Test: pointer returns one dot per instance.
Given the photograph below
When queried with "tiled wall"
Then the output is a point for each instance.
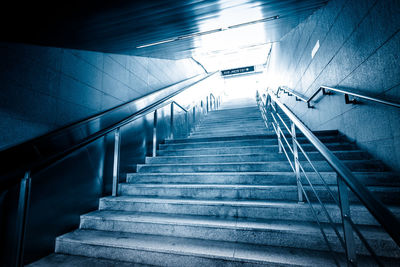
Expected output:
(44, 88)
(359, 50)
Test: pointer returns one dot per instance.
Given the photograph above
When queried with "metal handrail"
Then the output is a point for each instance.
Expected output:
(215, 104)
(383, 215)
(184, 109)
(326, 90)
(290, 92)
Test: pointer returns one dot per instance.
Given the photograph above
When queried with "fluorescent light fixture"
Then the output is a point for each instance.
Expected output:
(157, 43)
(210, 31)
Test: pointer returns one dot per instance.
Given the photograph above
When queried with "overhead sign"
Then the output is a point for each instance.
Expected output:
(237, 71)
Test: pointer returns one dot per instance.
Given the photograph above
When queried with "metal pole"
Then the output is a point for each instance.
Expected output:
(347, 229)
(194, 115)
(296, 164)
(279, 137)
(117, 145)
(172, 121)
(154, 133)
(187, 123)
(207, 104)
(23, 206)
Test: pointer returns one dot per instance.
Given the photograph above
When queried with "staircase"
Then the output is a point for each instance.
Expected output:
(225, 196)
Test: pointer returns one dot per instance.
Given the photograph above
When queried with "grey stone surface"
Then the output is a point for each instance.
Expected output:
(259, 178)
(44, 88)
(359, 44)
(182, 252)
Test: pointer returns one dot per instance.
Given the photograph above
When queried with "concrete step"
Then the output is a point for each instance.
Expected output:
(258, 178)
(233, 114)
(247, 150)
(175, 251)
(225, 119)
(229, 133)
(233, 133)
(211, 191)
(244, 142)
(259, 232)
(272, 156)
(250, 209)
(238, 109)
(283, 165)
(242, 126)
(389, 195)
(229, 128)
(239, 137)
(208, 124)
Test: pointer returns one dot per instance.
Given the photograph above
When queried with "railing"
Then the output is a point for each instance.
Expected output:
(160, 100)
(154, 145)
(270, 106)
(328, 91)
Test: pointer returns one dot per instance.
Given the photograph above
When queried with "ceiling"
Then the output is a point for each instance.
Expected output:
(185, 28)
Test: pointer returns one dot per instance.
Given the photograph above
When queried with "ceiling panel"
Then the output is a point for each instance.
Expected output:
(123, 26)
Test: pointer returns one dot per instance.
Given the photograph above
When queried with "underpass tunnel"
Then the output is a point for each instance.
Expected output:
(66, 62)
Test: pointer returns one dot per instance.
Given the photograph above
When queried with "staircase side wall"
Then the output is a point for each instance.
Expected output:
(44, 88)
(359, 44)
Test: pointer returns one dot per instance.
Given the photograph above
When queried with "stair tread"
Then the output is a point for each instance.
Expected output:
(198, 247)
(231, 202)
(244, 186)
(230, 141)
(275, 145)
(300, 227)
(248, 154)
(261, 173)
(251, 162)
(264, 135)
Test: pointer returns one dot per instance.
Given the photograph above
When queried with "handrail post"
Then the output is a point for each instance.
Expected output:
(22, 212)
(187, 123)
(172, 121)
(296, 164)
(278, 128)
(207, 104)
(117, 146)
(347, 228)
(213, 105)
(154, 133)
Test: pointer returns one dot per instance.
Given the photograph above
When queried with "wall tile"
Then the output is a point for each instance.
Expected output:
(43, 88)
(80, 70)
(360, 52)
(77, 92)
